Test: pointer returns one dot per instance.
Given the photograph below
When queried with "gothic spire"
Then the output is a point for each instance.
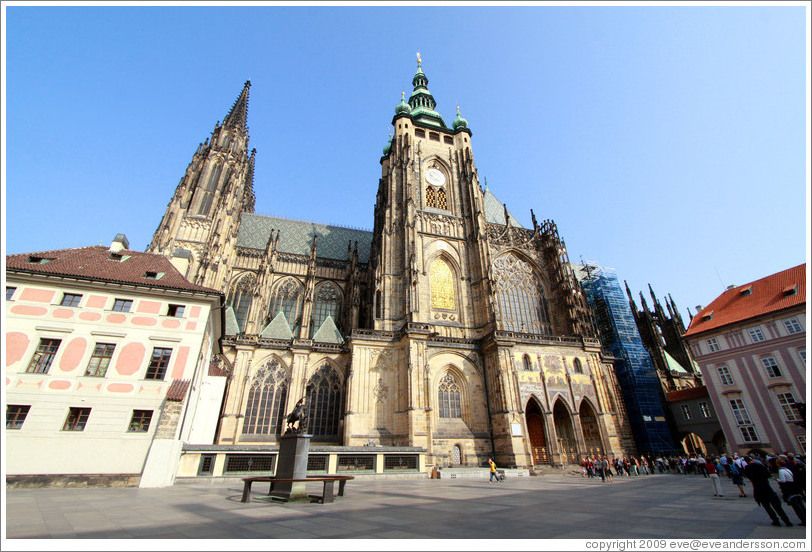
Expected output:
(421, 101)
(237, 118)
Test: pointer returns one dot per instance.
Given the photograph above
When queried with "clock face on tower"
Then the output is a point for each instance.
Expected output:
(435, 177)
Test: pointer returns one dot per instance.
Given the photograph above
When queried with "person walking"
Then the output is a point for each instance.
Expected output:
(494, 475)
(790, 490)
(725, 462)
(607, 470)
(759, 476)
(702, 465)
(736, 475)
(713, 473)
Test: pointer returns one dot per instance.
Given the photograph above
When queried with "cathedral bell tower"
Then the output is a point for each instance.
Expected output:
(199, 229)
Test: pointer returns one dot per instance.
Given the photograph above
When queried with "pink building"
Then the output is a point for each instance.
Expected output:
(107, 352)
(750, 344)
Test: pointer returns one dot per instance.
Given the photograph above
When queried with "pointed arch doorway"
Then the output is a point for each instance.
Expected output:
(563, 430)
(535, 432)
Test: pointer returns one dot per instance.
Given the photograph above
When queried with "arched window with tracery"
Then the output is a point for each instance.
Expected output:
(207, 193)
(328, 303)
(265, 409)
(448, 397)
(441, 279)
(431, 197)
(241, 297)
(436, 198)
(288, 299)
(576, 364)
(324, 399)
(522, 305)
(527, 364)
(442, 199)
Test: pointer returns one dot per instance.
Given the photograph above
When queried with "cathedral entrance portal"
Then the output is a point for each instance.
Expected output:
(535, 431)
(592, 432)
(565, 434)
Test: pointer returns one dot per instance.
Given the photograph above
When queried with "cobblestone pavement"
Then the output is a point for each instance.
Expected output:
(545, 507)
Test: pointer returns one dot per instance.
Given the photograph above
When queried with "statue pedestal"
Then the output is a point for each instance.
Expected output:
(291, 463)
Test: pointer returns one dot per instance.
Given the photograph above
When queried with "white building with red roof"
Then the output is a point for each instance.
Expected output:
(750, 344)
(107, 353)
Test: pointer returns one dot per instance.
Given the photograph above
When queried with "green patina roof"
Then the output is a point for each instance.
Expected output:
(673, 364)
(297, 237)
(232, 328)
(328, 333)
(278, 328)
(495, 211)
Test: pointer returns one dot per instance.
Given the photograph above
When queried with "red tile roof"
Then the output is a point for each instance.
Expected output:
(688, 393)
(177, 391)
(766, 295)
(95, 263)
(216, 370)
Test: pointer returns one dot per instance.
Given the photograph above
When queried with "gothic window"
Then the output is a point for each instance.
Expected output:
(264, 411)
(526, 362)
(241, 298)
(522, 304)
(448, 397)
(324, 399)
(442, 285)
(288, 299)
(576, 365)
(207, 193)
(328, 303)
(431, 197)
(442, 201)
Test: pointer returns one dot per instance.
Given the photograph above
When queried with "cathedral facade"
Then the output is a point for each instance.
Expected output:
(449, 327)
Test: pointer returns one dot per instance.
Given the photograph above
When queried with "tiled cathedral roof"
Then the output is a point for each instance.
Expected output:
(495, 211)
(297, 237)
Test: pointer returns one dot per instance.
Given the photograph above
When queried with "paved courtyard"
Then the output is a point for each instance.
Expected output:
(545, 507)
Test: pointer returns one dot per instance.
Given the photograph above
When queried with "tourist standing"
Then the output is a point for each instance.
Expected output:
(759, 476)
(713, 473)
(737, 476)
(702, 465)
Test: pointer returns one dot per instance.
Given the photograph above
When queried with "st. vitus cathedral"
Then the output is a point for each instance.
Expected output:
(449, 327)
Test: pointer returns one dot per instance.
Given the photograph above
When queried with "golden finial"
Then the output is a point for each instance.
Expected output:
(419, 61)
(402, 96)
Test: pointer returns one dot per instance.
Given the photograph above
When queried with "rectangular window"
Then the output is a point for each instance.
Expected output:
(158, 363)
(792, 326)
(77, 419)
(749, 434)
(788, 405)
(175, 310)
(15, 415)
(42, 359)
(102, 354)
(713, 345)
(704, 409)
(122, 305)
(740, 412)
(70, 300)
(419, 133)
(771, 366)
(10, 292)
(756, 335)
(140, 421)
(686, 412)
(802, 354)
(724, 375)
(802, 442)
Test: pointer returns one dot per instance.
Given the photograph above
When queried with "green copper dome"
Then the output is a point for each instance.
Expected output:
(459, 122)
(402, 107)
(387, 148)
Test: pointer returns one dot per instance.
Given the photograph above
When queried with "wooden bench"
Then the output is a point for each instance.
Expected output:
(327, 495)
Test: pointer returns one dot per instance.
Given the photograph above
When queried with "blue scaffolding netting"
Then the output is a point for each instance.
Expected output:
(634, 369)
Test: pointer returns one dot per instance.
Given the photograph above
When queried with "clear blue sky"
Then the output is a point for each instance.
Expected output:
(666, 142)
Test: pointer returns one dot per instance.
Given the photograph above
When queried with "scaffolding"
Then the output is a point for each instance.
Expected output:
(634, 369)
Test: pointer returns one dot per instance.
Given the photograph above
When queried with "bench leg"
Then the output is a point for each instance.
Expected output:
(246, 492)
(341, 487)
(327, 494)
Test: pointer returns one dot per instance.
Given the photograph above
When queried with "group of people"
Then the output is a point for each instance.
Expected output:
(788, 471)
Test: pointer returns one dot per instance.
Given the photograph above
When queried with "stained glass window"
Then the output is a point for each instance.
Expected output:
(324, 399)
(442, 285)
(288, 299)
(241, 298)
(328, 303)
(264, 411)
(448, 398)
(207, 193)
(522, 304)
(436, 198)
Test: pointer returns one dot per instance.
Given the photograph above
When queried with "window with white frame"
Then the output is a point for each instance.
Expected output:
(713, 345)
(756, 334)
(748, 434)
(724, 375)
(792, 326)
(686, 412)
(771, 367)
(704, 409)
(740, 412)
(802, 354)
(802, 442)
(788, 406)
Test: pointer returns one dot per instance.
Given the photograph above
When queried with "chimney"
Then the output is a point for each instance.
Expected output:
(698, 308)
(731, 286)
(119, 242)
